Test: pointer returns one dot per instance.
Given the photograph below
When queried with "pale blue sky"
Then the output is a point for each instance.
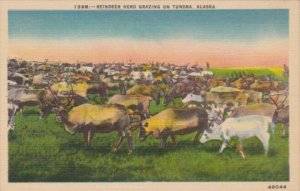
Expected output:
(204, 25)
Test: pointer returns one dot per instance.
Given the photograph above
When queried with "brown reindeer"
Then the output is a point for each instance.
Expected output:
(281, 115)
(90, 119)
(264, 86)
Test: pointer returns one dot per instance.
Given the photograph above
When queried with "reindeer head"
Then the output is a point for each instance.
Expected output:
(62, 107)
(212, 133)
(143, 134)
(274, 100)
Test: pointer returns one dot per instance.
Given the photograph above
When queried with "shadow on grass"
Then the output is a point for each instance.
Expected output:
(258, 150)
(149, 148)
(146, 149)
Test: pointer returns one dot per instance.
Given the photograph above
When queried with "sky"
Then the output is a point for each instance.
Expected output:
(220, 37)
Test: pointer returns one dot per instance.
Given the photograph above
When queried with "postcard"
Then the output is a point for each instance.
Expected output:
(147, 95)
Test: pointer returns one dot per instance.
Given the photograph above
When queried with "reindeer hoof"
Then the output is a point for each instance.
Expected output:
(115, 150)
(130, 152)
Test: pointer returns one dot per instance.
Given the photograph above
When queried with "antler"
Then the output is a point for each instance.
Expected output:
(57, 102)
(71, 95)
(282, 103)
(274, 102)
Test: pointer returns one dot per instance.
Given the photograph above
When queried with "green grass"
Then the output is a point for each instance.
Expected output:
(276, 72)
(42, 151)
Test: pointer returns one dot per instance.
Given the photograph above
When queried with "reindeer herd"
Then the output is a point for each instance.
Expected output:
(240, 104)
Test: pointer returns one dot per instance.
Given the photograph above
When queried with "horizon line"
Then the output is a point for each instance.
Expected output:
(141, 63)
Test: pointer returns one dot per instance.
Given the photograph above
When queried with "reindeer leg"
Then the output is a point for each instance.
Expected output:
(196, 139)
(173, 137)
(118, 142)
(285, 127)
(41, 114)
(239, 148)
(224, 145)
(105, 96)
(21, 110)
(85, 136)
(92, 135)
(163, 141)
(173, 102)
(283, 130)
(89, 137)
(11, 123)
(129, 142)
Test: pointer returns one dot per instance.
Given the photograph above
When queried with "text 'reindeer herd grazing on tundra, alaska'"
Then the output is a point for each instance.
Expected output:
(195, 100)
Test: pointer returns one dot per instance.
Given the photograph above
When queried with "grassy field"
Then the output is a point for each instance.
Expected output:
(276, 72)
(42, 151)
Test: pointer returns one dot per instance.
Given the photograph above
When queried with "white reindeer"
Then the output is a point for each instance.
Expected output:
(242, 127)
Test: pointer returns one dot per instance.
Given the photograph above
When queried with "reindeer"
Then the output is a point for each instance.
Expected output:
(89, 119)
(12, 109)
(264, 86)
(22, 97)
(281, 115)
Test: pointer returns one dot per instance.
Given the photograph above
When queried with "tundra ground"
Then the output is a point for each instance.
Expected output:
(42, 151)
(275, 72)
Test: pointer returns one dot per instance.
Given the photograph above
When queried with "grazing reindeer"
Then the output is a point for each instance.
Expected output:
(172, 122)
(32, 97)
(89, 119)
(281, 114)
(243, 127)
